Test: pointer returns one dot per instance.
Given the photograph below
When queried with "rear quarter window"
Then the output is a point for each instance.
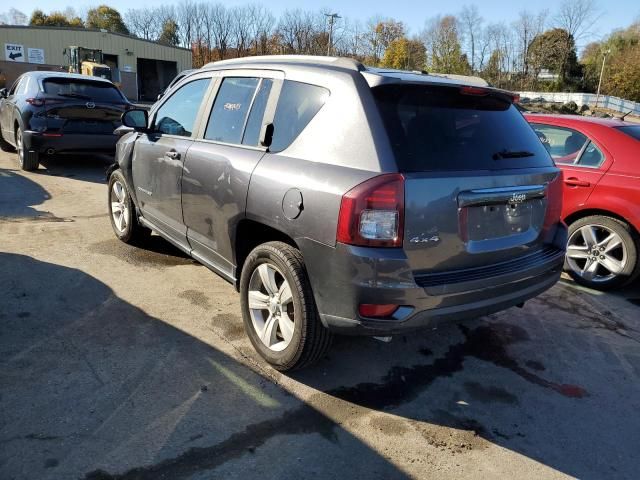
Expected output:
(439, 128)
(297, 105)
(82, 89)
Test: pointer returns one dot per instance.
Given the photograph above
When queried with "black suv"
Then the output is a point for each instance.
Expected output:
(50, 112)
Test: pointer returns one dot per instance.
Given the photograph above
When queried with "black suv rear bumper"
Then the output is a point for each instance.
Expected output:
(70, 143)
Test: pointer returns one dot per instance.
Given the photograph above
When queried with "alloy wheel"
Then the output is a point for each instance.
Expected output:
(271, 307)
(119, 209)
(596, 253)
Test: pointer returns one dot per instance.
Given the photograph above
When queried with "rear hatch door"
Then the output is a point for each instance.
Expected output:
(78, 106)
(480, 188)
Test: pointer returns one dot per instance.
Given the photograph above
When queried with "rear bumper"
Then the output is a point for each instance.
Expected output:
(70, 143)
(345, 277)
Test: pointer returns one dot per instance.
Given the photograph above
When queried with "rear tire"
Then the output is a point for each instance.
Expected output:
(29, 161)
(602, 252)
(122, 212)
(299, 339)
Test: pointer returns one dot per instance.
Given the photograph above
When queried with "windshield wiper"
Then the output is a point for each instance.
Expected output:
(512, 154)
(74, 95)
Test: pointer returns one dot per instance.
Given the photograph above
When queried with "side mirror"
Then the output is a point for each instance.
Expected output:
(266, 135)
(4, 93)
(136, 118)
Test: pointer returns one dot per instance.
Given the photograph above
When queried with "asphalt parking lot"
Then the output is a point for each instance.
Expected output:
(125, 363)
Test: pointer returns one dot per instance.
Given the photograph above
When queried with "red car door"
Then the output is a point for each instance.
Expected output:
(582, 160)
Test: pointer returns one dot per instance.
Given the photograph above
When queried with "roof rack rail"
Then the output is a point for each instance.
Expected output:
(343, 62)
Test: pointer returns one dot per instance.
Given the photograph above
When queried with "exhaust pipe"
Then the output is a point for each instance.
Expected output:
(50, 151)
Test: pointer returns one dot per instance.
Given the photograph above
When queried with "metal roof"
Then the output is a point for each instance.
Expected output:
(373, 75)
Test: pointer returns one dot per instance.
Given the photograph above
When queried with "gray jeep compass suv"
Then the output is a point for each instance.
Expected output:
(340, 198)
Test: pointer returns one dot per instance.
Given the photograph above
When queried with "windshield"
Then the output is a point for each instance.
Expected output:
(631, 130)
(83, 89)
(439, 128)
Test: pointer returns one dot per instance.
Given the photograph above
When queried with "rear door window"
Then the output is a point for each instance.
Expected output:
(564, 144)
(297, 105)
(230, 109)
(177, 115)
(440, 128)
(256, 117)
(82, 90)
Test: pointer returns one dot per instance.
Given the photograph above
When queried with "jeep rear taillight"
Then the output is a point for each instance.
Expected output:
(372, 213)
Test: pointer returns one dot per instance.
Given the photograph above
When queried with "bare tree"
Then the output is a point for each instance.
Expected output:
(471, 24)
(527, 27)
(577, 17)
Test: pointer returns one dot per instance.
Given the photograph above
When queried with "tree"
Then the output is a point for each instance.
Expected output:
(405, 54)
(555, 50)
(443, 45)
(621, 76)
(379, 35)
(471, 22)
(13, 17)
(169, 34)
(54, 19)
(527, 27)
(106, 18)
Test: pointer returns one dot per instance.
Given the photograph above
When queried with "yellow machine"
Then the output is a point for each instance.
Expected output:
(87, 61)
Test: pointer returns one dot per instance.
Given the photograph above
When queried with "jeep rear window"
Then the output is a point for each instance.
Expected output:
(631, 130)
(82, 90)
(440, 128)
(297, 105)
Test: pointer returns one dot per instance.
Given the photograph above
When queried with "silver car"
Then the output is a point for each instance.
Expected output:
(343, 199)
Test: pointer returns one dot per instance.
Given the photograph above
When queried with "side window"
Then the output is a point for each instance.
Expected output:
(178, 114)
(297, 105)
(230, 109)
(592, 156)
(256, 116)
(564, 144)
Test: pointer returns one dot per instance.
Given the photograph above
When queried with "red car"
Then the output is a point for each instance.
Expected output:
(600, 160)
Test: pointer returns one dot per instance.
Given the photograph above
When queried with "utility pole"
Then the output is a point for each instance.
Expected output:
(604, 59)
(332, 18)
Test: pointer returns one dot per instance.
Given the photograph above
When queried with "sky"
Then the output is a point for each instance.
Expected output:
(613, 13)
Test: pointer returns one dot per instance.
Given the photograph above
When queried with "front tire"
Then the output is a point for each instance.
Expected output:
(602, 252)
(278, 308)
(29, 161)
(122, 212)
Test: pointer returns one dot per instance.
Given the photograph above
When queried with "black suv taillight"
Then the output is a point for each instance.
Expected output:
(372, 213)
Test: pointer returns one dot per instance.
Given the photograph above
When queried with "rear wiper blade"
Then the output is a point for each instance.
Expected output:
(74, 95)
(512, 154)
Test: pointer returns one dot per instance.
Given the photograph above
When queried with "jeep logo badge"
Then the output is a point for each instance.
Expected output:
(518, 198)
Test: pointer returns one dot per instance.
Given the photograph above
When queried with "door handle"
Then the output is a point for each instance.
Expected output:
(172, 154)
(574, 182)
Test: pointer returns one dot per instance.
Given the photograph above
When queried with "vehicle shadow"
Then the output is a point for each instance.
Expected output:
(88, 168)
(94, 387)
(19, 196)
(556, 381)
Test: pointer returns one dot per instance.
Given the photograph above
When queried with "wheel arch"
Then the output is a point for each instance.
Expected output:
(587, 212)
(248, 235)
